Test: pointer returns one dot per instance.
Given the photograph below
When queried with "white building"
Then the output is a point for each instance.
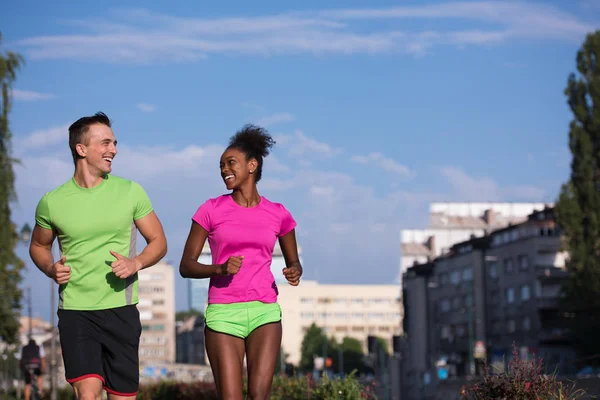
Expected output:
(157, 314)
(452, 223)
(354, 311)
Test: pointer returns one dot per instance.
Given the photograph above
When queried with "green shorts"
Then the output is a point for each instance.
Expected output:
(240, 319)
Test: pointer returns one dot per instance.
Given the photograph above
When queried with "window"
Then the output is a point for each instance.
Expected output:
(444, 305)
(456, 303)
(525, 292)
(526, 323)
(510, 295)
(443, 279)
(306, 300)
(523, 263)
(493, 270)
(469, 300)
(445, 332)
(158, 302)
(455, 278)
(508, 266)
(467, 274)
(510, 325)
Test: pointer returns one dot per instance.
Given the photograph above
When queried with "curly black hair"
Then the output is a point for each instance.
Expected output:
(255, 142)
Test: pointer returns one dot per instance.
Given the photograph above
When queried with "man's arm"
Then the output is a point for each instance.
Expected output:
(40, 250)
(156, 248)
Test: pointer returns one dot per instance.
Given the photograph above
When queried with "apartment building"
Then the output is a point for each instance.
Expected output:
(190, 341)
(355, 311)
(482, 296)
(451, 223)
(156, 289)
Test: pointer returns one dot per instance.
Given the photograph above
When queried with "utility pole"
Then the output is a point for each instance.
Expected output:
(471, 330)
(29, 312)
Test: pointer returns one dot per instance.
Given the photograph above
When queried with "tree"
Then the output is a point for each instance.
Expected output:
(313, 346)
(10, 265)
(353, 356)
(578, 206)
(181, 316)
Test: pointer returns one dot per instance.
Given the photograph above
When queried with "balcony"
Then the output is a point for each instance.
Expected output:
(554, 335)
(548, 303)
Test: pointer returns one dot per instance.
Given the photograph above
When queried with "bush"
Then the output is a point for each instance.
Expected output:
(283, 388)
(524, 380)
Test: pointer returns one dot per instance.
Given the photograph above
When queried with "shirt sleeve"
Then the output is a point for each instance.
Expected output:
(287, 222)
(202, 216)
(142, 203)
(42, 213)
(42, 352)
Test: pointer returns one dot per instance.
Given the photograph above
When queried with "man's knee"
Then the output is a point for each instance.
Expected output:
(88, 395)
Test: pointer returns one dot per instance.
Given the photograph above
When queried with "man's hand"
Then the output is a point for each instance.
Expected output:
(60, 272)
(292, 274)
(232, 266)
(124, 267)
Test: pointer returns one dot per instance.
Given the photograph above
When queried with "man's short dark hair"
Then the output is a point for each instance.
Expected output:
(79, 128)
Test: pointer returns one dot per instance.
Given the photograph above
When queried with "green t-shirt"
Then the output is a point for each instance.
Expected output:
(89, 223)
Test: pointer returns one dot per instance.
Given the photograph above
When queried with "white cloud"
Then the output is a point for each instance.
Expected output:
(28, 95)
(469, 188)
(43, 138)
(300, 145)
(147, 108)
(387, 164)
(141, 36)
(275, 119)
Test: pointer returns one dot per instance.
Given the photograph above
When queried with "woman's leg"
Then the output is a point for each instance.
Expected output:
(262, 348)
(226, 356)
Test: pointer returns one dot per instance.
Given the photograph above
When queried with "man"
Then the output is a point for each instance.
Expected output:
(94, 216)
(32, 363)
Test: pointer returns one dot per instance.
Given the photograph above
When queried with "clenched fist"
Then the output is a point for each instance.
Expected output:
(232, 266)
(60, 272)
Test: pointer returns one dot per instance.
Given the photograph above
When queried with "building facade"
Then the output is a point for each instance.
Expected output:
(354, 311)
(157, 314)
(451, 223)
(190, 341)
(475, 301)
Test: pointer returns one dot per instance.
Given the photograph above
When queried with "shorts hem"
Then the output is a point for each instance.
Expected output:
(120, 393)
(86, 376)
(225, 333)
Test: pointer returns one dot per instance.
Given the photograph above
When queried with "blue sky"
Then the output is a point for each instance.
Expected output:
(378, 109)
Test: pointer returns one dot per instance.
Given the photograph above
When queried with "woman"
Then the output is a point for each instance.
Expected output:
(243, 315)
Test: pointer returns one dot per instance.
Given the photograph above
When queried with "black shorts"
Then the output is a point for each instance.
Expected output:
(27, 375)
(102, 344)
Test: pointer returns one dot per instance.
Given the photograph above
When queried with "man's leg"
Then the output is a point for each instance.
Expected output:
(27, 389)
(226, 356)
(88, 389)
(120, 336)
(82, 353)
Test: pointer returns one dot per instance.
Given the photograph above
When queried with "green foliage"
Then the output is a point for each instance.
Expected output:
(283, 388)
(349, 352)
(524, 380)
(578, 206)
(183, 315)
(10, 265)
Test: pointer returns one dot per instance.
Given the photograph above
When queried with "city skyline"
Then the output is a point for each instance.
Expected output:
(377, 112)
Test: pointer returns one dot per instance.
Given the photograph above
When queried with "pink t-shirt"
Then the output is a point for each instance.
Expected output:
(234, 230)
